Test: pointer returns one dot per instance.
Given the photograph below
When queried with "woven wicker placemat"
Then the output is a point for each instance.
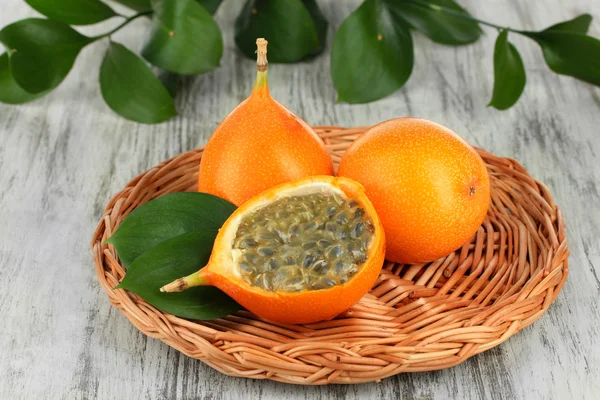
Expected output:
(416, 317)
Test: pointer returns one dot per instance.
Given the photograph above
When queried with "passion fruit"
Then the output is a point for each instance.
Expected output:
(429, 186)
(300, 252)
(260, 144)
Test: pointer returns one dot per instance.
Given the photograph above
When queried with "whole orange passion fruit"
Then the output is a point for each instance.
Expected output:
(300, 252)
(260, 144)
(429, 186)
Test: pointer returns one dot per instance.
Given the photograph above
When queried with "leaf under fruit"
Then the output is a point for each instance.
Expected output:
(170, 260)
(167, 217)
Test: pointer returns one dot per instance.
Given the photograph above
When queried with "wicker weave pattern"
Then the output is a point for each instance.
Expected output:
(416, 317)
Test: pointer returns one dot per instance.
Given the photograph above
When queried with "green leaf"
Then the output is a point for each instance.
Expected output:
(170, 81)
(130, 88)
(372, 54)
(168, 238)
(167, 217)
(184, 38)
(170, 260)
(509, 74)
(287, 25)
(137, 5)
(579, 24)
(10, 91)
(42, 52)
(210, 5)
(320, 23)
(441, 20)
(73, 12)
(570, 53)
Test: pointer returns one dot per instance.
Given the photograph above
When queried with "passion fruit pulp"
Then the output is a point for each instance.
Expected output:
(303, 242)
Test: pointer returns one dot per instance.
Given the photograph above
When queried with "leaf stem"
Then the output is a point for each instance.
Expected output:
(127, 21)
(458, 14)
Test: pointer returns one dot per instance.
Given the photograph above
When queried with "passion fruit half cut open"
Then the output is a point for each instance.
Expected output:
(300, 252)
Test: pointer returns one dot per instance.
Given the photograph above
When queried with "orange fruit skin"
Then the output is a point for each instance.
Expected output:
(306, 306)
(260, 144)
(430, 188)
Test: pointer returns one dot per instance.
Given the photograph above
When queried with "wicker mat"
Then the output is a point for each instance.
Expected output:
(416, 318)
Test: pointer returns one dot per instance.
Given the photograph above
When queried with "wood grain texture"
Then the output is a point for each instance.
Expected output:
(63, 157)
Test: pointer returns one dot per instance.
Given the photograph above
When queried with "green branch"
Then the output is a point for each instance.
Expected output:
(435, 7)
(123, 24)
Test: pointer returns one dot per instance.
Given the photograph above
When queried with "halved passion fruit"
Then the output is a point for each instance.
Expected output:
(300, 252)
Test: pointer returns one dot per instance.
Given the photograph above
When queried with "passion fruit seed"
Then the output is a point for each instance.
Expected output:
(303, 242)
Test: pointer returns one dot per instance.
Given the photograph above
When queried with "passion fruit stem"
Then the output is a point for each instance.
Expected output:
(262, 65)
(181, 284)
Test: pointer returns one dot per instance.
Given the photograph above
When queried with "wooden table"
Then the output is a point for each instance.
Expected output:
(64, 156)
